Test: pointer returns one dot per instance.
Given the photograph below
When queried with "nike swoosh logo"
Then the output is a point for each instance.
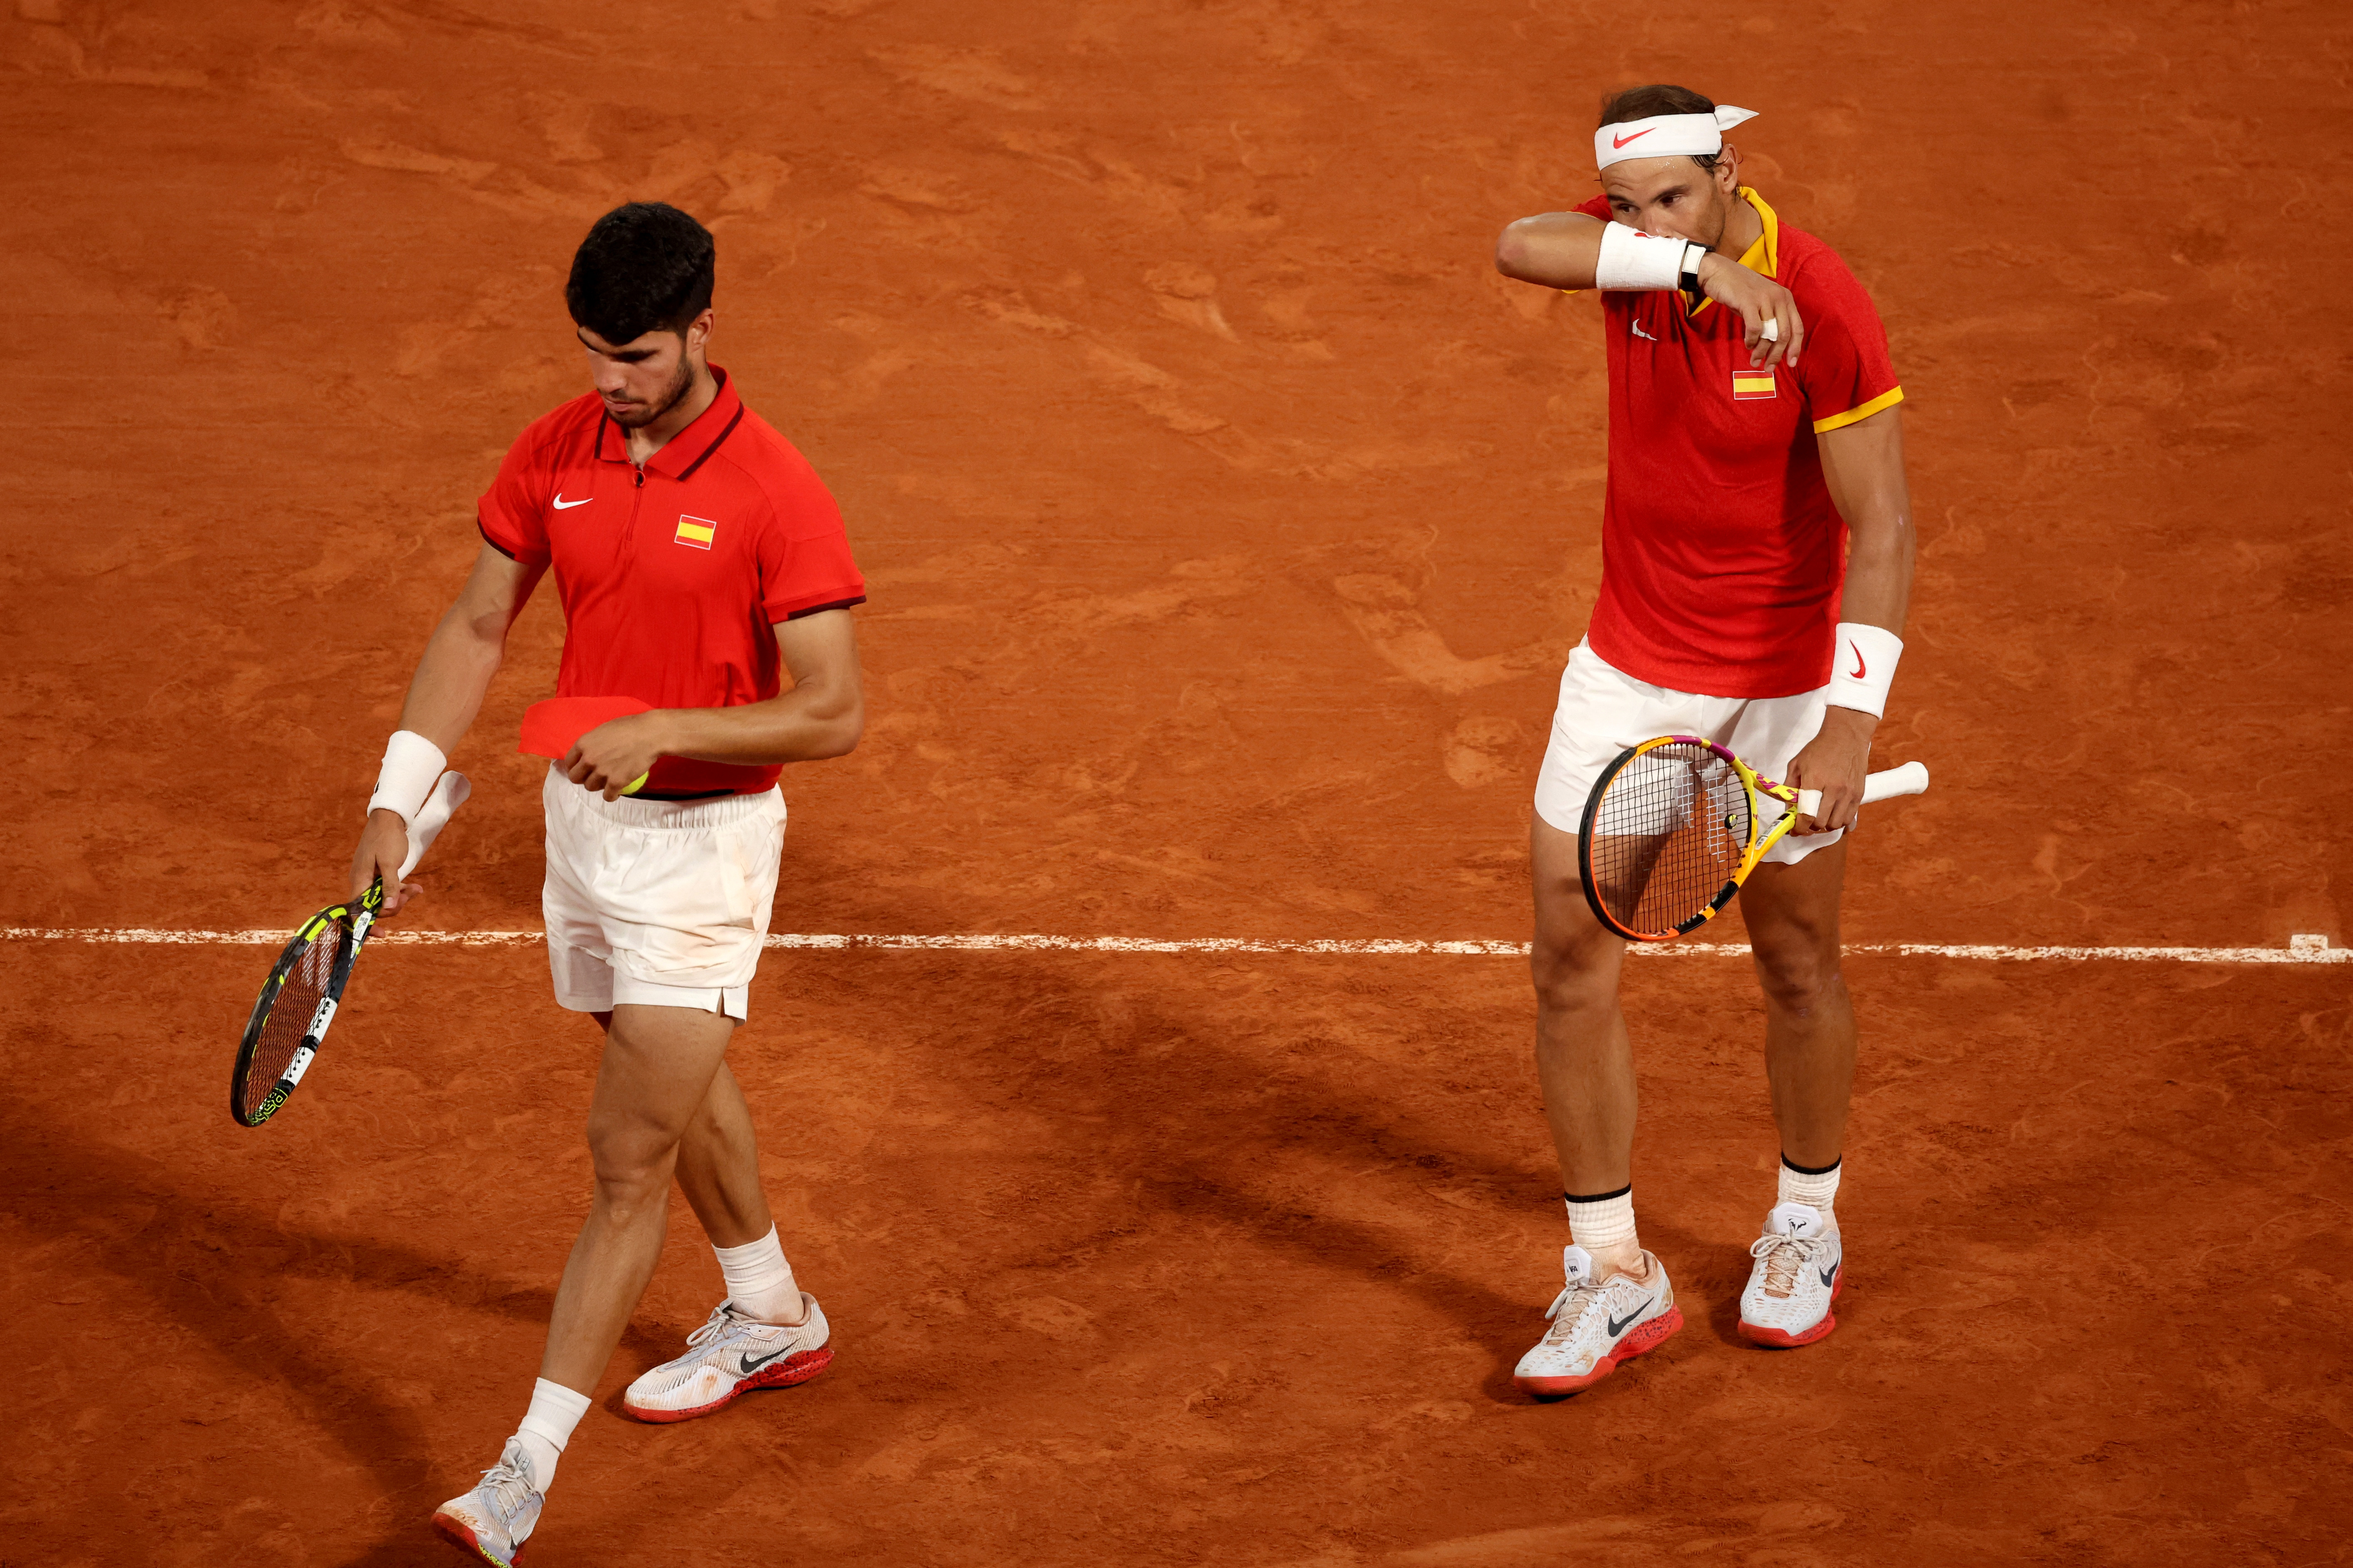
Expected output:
(1618, 141)
(1831, 1273)
(1640, 333)
(1857, 671)
(746, 1367)
(563, 505)
(1620, 1325)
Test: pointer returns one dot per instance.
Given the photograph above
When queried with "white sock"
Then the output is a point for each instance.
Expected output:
(547, 1426)
(1603, 1224)
(760, 1281)
(1816, 1189)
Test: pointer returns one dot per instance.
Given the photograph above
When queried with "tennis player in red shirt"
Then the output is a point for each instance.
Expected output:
(1756, 559)
(699, 558)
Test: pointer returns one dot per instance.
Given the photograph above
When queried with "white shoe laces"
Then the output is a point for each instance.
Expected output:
(721, 1320)
(509, 1487)
(1565, 1324)
(1784, 1256)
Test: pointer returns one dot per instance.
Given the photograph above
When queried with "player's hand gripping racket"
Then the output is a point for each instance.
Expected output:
(1673, 829)
(551, 729)
(306, 985)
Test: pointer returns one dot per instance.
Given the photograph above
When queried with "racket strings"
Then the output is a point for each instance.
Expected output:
(1668, 833)
(290, 1011)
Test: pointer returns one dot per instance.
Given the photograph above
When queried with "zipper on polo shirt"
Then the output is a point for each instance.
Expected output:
(630, 527)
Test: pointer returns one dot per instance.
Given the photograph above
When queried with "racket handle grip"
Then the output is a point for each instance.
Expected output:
(449, 792)
(1912, 778)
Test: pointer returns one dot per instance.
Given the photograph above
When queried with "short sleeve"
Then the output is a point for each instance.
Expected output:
(804, 551)
(1593, 206)
(1844, 372)
(512, 513)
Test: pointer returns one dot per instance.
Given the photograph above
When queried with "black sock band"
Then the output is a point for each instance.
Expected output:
(1597, 1197)
(1813, 1170)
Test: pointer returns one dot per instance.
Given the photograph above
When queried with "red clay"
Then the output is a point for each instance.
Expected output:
(1227, 521)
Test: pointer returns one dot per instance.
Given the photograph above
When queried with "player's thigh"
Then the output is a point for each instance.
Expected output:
(657, 1070)
(1792, 915)
(1574, 959)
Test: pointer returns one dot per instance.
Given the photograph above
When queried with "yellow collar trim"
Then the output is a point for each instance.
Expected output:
(1767, 249)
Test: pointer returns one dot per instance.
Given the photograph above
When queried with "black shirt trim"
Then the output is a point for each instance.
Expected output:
(493, 543)
(820, 609)
(688, 472)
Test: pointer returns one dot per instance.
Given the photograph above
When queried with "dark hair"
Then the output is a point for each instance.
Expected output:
(1642, 102)
(644, 267)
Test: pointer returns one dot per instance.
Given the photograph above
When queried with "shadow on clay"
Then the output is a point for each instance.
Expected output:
(216, 1285)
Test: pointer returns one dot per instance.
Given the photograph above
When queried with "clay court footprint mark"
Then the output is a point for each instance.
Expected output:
(1386, 614)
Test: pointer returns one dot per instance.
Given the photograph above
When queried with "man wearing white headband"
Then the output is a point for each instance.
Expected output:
(1756, 559)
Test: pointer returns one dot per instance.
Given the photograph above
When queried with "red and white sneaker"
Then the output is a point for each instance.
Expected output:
(1597, 1323)
(729, 1356)
(1799, 1270)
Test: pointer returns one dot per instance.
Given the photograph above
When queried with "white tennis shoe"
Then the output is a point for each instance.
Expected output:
(495, 1518)
(1800, 1268)
(1597, 1323)
(731, 1355)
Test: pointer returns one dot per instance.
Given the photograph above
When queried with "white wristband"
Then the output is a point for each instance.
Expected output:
(1632, 259)
(411, 763)
(1862, 666)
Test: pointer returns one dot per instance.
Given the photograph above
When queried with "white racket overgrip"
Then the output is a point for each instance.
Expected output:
(1912, 778)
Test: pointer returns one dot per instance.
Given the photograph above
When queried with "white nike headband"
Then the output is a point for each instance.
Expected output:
(1666, 135)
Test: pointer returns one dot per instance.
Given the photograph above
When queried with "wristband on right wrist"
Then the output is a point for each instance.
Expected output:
(1863, 666)
(411, 765)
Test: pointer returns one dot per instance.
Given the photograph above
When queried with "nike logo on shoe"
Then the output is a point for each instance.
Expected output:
(746, 1365)
(1831, 1272)
(1620, 1325)
(563, 505)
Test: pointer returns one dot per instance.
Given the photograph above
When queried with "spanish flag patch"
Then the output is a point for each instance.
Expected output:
(1748, 384)
(697, 530)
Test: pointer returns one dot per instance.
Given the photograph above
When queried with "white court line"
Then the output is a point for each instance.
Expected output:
(2299, 950)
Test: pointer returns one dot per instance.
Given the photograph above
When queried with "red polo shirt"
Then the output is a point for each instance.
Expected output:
(1722, 557)
(672, 576)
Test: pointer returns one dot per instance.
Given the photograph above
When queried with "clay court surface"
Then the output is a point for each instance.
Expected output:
(1227, 521)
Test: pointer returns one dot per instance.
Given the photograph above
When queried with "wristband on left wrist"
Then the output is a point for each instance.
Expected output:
(1863, 666)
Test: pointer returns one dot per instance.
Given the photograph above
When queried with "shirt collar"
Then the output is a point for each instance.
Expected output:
(1764, 255)
(686, 451)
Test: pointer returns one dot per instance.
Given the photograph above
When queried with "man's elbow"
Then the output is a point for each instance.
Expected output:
(1514, 254)
(842, 733)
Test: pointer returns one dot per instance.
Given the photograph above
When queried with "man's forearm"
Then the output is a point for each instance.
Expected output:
(1878, 590)
(452, 679)
(806, 724)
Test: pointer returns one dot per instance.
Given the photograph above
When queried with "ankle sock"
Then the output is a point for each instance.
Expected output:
(760, 1281)
(547, 1426)
(1816, 1188)
(1603, 1223)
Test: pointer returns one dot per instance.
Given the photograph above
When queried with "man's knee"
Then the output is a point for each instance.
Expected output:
(1576, 969)
(1798, 975)
(633, 1160)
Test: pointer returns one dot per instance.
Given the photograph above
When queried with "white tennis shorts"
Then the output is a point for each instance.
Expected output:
(659, 902)
(1603, 710)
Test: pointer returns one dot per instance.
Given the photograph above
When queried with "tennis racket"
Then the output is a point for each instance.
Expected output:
(306, 985)
(1674, 826)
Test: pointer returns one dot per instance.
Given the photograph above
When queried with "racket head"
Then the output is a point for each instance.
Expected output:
(1667, 831)
(287, 1021)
